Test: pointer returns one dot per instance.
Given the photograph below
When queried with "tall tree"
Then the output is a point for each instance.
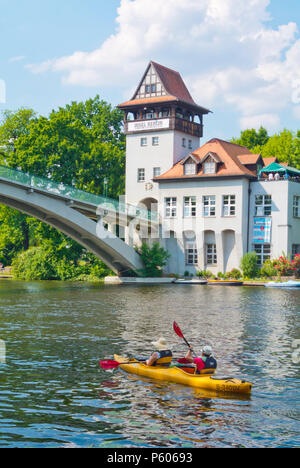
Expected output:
(81, 145)
(252, 139)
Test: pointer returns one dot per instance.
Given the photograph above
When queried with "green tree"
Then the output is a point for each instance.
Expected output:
(13, 125)
(252, 139)
(78, 145)
(249, 265)
(285, 146)
(154, 258)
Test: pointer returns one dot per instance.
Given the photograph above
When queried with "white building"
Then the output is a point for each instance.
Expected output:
(212, 207)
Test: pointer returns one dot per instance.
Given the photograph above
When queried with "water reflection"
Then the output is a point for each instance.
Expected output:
(52, 392)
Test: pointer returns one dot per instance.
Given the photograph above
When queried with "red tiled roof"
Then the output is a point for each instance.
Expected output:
(174, 86)
(154, 100)
(248, 159)
(229, 154)
(173, 83)
(270, 160)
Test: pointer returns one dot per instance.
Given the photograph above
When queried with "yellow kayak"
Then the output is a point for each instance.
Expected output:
(180, 376)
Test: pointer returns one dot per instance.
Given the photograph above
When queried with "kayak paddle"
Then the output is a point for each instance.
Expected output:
(179, 333)
(108, 364)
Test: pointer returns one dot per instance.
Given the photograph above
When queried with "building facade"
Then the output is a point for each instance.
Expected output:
(212, 207)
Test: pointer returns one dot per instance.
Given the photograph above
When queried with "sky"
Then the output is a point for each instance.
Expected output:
(239, 58)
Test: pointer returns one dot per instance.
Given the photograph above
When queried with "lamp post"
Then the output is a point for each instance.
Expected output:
(105, 184)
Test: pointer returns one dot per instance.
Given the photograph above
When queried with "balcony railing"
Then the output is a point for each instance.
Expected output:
(166, 123)
(72, 193)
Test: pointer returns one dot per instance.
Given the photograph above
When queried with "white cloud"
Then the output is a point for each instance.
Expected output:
(269, 121)
(19, 58)
(226, 50)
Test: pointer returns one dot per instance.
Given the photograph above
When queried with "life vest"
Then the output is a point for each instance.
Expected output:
(165, 358)
(210, 366)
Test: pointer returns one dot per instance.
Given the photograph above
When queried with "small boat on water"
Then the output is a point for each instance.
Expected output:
(190, 281)
(225, 283)
(184, 377)
(283, 284)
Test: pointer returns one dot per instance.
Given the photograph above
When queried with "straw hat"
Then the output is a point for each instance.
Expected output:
(160, 345)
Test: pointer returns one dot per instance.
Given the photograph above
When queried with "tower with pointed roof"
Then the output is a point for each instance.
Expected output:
(162, 125)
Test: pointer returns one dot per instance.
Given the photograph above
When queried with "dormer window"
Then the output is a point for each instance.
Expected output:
(190, 169)
(190, 165)
(210, 163)
(209, 167)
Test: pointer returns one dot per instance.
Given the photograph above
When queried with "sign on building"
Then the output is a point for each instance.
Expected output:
(262, 230)
(149, 125)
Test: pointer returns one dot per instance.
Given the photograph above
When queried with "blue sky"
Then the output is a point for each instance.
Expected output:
(240, 58)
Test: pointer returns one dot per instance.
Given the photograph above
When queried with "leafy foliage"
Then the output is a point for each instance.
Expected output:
(249, 265)
(80, 145)
(284, 145)
(268, 269)
(48, 263)
(154, 258)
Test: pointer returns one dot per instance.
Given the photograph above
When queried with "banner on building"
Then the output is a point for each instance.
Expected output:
(262, 230)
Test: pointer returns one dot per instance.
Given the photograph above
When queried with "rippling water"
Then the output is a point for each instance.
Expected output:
(53, 394)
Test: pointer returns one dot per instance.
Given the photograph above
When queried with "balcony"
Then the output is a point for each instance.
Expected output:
(163, 124)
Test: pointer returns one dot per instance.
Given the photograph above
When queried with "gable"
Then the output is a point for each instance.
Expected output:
(151, 85)
(211, 157)
(190, 159)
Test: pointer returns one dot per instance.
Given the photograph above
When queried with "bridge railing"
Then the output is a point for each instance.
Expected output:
(60, 189)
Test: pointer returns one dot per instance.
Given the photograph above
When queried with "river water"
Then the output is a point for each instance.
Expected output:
(53, 393)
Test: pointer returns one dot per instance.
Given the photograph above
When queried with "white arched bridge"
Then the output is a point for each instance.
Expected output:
(83, 216)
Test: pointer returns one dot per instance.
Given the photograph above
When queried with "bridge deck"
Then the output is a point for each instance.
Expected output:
(87, 203)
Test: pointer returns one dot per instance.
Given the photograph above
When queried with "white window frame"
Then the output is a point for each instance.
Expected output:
(211, 254)
(189, 207)
(209, 206)
(190, 169)
(191, 253)
(209, 167)
(229, 206)
(263, 252)
(141, 175)
(170, 207)
(155, 141)
(144, 141)
(296, 206)
(263, 205)
(156, 171)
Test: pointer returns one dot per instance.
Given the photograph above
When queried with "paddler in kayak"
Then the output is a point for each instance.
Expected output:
(163, 355)
(206, 364)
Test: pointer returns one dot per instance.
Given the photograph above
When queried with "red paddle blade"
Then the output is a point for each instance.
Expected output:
(183, 361)
(177, 330)
(109, 364)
